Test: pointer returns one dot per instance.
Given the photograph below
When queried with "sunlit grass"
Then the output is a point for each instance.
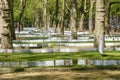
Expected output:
(54, 56)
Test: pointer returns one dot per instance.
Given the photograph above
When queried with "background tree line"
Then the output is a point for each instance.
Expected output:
(74, 15)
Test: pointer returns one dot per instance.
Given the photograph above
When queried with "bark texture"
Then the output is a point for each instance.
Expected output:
(73, 19)
(99, 22)
(5, 24)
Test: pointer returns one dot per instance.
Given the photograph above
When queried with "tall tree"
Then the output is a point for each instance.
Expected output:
(91, 16)
(99, 24)
(22, 9)
(12, 20)
(5, 24)
(107, 16)
(45, 15)
(83, 11)
(56, 15)
(73, 19)
(63, 18)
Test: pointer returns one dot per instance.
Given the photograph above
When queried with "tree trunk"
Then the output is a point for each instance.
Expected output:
(63, 19)
(45, 15)
(12, 20)
(107, 16)
(99, 22)
(73, 19)
(22, 9)
(81, 27)
(91, 16)
(5, 24)
(56, 16)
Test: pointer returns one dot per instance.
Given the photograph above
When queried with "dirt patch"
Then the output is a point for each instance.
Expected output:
(67, 75)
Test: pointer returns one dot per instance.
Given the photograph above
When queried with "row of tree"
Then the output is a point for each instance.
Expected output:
(55, 13)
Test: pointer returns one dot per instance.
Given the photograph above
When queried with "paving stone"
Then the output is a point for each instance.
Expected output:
(6, 64)
(68, 62)
(59, 62)
(81, 62)
(14, 64)
(98, 62)
(109, 62)
(24, 64)
(49, 63)
(89, 62)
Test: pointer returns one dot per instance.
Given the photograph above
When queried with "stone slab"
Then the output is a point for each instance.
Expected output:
(49, 63)
(59, 62)
(1, 64)
(68, 62)
(6, 64)
(118, 62)
(89, 62)
(14, 64)
(68, 50)
(37, 63)
(24, 64)
(89, 49)
(81, 62)
(117, 49)
(98, 62)
(46, 50)
(109, 62)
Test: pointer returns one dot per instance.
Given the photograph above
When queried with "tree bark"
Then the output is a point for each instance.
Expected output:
(45, 15)
(81, 27)
(56, 16)
(22, 9)
(91, 16)
(107, 16)
(5, 24)
(63, 18)
(99, 22)
(12, 21)
(73, 19)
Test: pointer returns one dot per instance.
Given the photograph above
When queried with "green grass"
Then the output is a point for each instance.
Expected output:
(56, 56)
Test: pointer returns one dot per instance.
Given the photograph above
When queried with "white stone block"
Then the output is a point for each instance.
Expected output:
(81, 62)
(24, 64)
(109, 62)
(1, 64)
(6, 64)
(68, 50)
(89, 49)
(59, 62)
(14, 64)
(117, 49)
(98, 62)
(49, 63)
(46, 50)
(37, 63)
(68, 62)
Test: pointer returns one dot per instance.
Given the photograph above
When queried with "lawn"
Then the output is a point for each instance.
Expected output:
(110, 55)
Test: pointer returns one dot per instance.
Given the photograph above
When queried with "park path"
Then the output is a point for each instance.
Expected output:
(61, 75)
